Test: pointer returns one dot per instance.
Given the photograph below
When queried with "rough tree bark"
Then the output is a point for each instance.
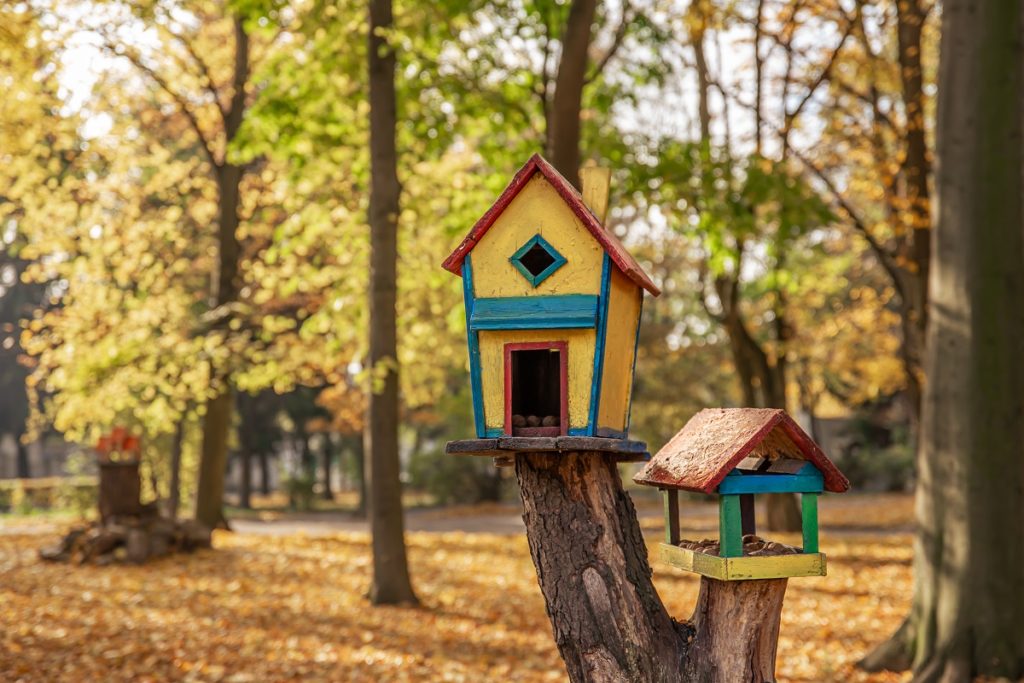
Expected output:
(563, 124)
(217, 418)
(608, 621)
(391, 582)
(916, 204)
(967, 618)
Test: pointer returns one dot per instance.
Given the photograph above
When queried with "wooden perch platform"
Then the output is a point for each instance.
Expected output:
(504, 449)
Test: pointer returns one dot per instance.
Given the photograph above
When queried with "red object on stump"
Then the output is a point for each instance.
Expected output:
(120, 485)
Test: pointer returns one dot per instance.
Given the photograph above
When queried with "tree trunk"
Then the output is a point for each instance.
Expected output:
(264, 473)
(213, 460)
(326, 455)
(736, 631)
(217, 419)
(391, 582)
(608, 622)
(24, 470)
(966, 617)
(245, 485)
(563, 124)
(174, 487)
(359, 451)
(916, 214)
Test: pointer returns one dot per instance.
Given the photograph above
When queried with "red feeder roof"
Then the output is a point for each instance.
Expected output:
(714, 442)
(609, 242)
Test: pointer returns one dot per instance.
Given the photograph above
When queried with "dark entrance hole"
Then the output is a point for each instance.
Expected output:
(536, 392)
(537, 260)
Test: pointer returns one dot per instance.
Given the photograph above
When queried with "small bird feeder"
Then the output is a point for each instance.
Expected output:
(738, 454)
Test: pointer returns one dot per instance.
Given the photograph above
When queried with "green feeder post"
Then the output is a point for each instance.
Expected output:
(809, 507)
(730, 533)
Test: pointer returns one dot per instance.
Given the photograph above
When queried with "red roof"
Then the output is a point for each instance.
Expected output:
(714, 442)
(609, 242)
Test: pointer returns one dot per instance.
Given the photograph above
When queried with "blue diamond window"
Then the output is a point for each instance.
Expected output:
(537, 260)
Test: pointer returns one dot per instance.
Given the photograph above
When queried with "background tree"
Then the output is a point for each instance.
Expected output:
(391, 582)
(967, 561)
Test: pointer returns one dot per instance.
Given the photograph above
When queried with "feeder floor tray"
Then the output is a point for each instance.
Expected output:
(744, 568)
(624, 450)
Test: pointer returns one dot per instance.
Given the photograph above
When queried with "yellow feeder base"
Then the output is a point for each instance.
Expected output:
(744, 568)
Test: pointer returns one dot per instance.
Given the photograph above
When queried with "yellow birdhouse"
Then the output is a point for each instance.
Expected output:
(553, 304)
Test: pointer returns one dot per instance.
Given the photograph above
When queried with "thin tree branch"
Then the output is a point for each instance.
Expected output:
(204, 69)
(885, 258)
(620, 34)
(824, 75)
(867, 99)
(133, 57)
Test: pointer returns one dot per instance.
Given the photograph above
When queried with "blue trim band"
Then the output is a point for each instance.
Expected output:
(578, 431)
(602, 332)
(473, 342)
(805, 482)
(607, 433)
(535, 312)
(493, 433)
(535, 280)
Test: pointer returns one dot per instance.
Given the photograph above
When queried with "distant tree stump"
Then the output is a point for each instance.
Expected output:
(119, 490)
(608, 621)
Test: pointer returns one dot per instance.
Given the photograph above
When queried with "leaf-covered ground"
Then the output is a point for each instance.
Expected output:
(291, 608)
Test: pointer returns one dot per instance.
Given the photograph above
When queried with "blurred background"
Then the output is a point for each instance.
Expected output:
(770, 166)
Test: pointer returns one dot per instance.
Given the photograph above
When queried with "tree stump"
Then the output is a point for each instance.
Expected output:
(591, 560)
(119, 489)
(736, 631)
(608, 621)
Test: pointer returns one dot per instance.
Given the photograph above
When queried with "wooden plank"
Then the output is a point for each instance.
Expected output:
(688, 560)
(772, 483)
(596, 181)
(774, 566)
(670, 499)
(789, 466)
(747, 521)
(470, 446)
(744, 568)
(751, 463)
(809, 508)
(596, 443)
(527, 443)
(623, 451)
(535, 312)
(730, 533)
